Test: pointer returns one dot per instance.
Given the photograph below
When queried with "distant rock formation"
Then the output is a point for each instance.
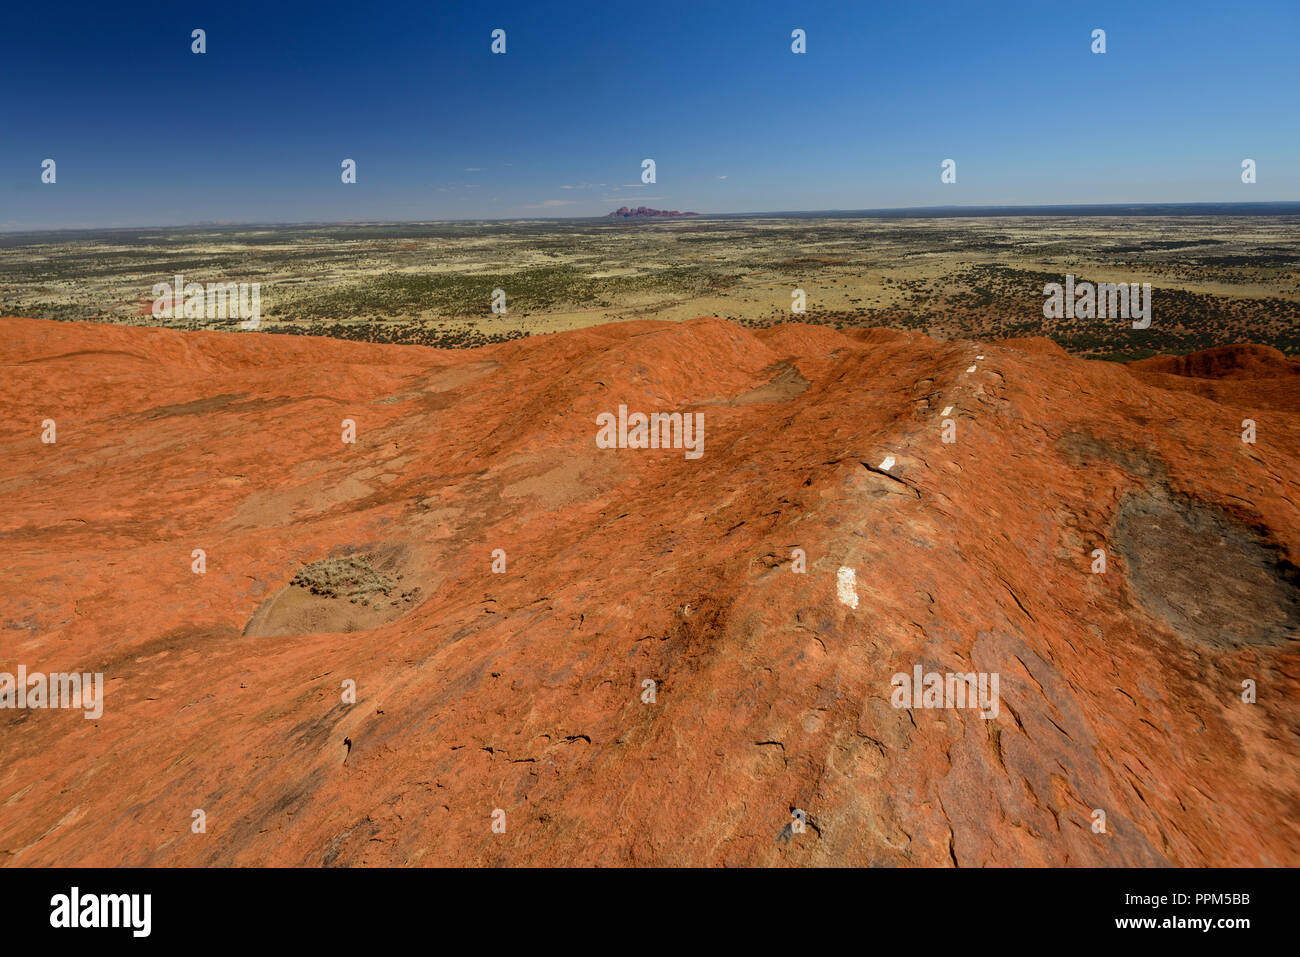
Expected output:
(645, 212)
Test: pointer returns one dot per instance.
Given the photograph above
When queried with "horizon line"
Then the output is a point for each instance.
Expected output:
(887, 211)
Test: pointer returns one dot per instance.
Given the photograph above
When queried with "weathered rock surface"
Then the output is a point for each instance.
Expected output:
(522, 691)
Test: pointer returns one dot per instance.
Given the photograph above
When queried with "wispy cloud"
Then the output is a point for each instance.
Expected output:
(545, 204)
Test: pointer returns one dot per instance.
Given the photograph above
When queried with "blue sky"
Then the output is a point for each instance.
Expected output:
(146, 133)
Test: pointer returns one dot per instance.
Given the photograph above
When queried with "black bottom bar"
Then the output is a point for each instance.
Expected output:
(640, 908)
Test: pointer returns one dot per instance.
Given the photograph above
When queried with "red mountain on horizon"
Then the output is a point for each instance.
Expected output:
(626, 212)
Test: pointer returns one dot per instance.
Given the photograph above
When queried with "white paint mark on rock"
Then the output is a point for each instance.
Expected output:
(971, 369)
(846, 586)
(888, 464)
(979, 357)
(946, 412)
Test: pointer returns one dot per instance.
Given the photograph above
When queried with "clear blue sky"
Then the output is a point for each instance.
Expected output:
(146, 133)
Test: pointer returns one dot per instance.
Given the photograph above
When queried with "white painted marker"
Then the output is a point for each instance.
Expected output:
(846, 586)
(971, 369)
(947, 411)
(888, 464)
(979, 357)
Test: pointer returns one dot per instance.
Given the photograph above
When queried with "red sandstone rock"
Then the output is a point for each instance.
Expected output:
(522, 691)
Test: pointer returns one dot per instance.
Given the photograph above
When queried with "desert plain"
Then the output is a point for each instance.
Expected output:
(1216, 279)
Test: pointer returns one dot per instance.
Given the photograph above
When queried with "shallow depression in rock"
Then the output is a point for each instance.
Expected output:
(1211, 578)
